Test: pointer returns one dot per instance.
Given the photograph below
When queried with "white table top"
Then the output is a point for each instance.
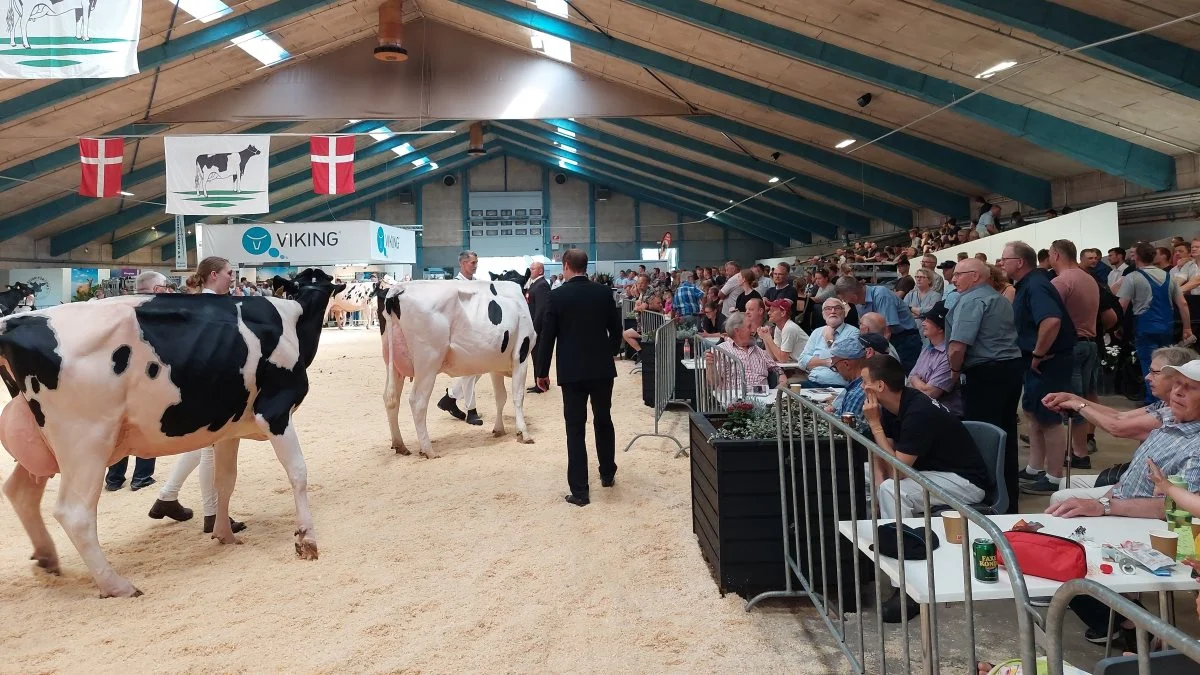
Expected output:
(947, 559)
(691, 364)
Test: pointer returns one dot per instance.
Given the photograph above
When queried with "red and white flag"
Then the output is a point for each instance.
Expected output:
(332, 164)
(100, 164)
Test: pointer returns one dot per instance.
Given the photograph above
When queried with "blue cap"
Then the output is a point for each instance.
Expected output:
(847, 348)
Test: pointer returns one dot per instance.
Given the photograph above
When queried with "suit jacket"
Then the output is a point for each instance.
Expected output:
(582, 317)
(539, 297)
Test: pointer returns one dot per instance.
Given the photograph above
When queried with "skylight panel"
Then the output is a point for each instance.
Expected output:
(203, 10)
(267, 51)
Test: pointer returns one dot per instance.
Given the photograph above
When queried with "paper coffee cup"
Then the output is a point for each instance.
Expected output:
(954, 524)
(1166, 543)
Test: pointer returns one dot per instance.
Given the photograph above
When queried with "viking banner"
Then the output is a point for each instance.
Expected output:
(59, 39)
(217, 175)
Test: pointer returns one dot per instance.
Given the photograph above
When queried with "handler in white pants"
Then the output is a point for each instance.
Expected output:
(462, 390)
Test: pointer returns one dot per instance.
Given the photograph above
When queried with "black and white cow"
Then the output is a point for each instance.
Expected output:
(458, 328)
(175, 373)
(221, 166)
(16, 294)
(513, 276)
(358, 297)
(23, 12)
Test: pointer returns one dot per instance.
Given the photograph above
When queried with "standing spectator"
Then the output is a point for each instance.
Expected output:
(825, 288)
(538, 293)
(1046, 337)
(686, 303)
(1043, 260)
(989, 221)
(765, 282)
(1000, 282)
(787, 341)
(950, 295)
(922, 298)
(869, 298)
(929, 263)
(749, 289)
(1164, 258)
(931, 375)
(1116, 260)
(1016, 220)
(781, 286)
(983, 349)
(1184, 268)
(1192, 285)
(582, 318)
(1150, 292)
(731, 287)
(1080, 293)
(815, 359)
(1092, 263)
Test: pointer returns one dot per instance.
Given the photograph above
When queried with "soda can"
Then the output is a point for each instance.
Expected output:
(850, 420)
(986, 569)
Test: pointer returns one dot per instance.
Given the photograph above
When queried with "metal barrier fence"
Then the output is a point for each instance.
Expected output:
(720, 378)
(1144, 623)
(626, 306)
(821, 475)
(663, 333)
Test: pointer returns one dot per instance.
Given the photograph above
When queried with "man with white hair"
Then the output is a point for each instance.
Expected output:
(816, 358)
(151, 282)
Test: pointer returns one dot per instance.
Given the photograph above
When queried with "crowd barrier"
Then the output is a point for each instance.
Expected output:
(720, 378)
(626, 306)
(826, 491)
(662, 330)
(1183, 650)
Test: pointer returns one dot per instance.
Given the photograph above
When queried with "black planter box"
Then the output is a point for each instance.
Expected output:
(685, 380)
(737, 519)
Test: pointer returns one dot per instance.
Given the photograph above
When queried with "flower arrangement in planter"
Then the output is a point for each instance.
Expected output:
(685, 331)
(749, 421)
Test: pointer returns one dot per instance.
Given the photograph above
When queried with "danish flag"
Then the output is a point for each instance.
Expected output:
(100, 164)
(332, 164)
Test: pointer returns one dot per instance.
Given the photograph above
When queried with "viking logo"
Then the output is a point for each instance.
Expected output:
(381, 241)
(257, 241)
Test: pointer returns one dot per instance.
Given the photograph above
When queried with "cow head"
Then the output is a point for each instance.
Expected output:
(513, 276)
(25, 290)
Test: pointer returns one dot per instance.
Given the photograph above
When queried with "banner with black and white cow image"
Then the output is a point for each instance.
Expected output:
(217, 175)
(59, 39)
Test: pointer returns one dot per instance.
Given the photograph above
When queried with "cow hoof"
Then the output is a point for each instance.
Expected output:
(46, 562)
(429, 454)
(497, 433)
(226, 538)
(524, 438)
(130, 592)
(306, 549)
(401, 450)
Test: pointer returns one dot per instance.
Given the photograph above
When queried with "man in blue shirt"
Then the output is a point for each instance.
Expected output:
(905, 337)
(686, 302)
(848, 355)
(1046, 338)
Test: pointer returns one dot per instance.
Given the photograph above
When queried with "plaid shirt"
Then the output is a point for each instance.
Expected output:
(1174, 447)
(687, 299)
(755, 361)
(851, 399)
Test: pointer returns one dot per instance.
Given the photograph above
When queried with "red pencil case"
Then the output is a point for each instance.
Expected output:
(1047, 556)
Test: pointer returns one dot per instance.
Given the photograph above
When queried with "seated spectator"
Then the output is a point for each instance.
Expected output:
(848, 355)
(950, 296)
(712, 323)
(874, 323)
(756, 362)
(931, 376)
(788, 340)
(749, 289)
(633, 336)
(815, 359)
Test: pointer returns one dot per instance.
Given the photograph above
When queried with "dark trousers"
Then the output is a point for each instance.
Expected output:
(908, 347)
(991, 394)
(575, 398)
(143, 472)
(1094, 614)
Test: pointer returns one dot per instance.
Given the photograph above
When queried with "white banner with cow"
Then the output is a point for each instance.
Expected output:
(60, 39)
(217, 175)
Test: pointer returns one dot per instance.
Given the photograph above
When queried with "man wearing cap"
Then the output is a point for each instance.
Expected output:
(788, 340)
(816, 358)
(848, 355)
(904, 337)
(931, 375)
(949, 297)
(875, 343)
(983, 349)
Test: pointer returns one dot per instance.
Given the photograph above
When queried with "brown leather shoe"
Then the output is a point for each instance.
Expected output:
(170, 509)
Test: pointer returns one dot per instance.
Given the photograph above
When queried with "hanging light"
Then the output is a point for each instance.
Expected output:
(391, 32)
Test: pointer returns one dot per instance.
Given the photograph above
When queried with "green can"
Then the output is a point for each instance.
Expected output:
(986, 569)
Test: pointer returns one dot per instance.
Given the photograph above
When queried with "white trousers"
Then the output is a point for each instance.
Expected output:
(184, 466)
(1083, 487)
(912, 500)
(463, 389)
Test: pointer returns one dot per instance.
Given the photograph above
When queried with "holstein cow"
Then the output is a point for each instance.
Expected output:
(357, 297)
(458, 328)
(14, 296)
(513, 276)
(175, 373)
(223, 165)
(21, 13)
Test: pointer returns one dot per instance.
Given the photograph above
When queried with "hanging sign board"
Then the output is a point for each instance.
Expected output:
(181, 261)
(344, 242)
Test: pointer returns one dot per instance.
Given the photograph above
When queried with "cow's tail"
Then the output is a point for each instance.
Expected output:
(391, 392)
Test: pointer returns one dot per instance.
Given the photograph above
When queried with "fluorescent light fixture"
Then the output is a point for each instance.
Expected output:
(267, 51)
(433, 166)
(403, 149)
(564, 132)
(563, 163)
(845, 144)
(125, 194)
(279, 222)
(555, 7)
(566, 147)
(203, 10)
(420, 161)
(774, 179)
(710, 214)
(999, 67)
(730, 201)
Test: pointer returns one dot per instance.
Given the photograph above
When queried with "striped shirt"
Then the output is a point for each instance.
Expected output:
(756, 362)
(1174, 447)
(851, 399)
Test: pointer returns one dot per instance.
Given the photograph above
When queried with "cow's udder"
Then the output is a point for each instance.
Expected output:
(22, 437)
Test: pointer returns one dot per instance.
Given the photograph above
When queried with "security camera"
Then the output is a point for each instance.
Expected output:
(560, 178)
(864, 100)
(449, 180)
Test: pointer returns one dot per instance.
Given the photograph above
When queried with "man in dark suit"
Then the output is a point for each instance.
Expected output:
(585, 321)
(537, 291)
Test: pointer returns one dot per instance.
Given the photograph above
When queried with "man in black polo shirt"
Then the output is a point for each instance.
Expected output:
(918, 431)
(1046, 338)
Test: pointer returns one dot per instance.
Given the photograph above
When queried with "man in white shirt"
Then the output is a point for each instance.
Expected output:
(989, 221)
(463, 388)
(732, 289)
(788, 340)
(1116, 261)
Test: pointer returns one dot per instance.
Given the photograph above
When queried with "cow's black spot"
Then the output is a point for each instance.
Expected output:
(392, 305)
(504, 343)
(493, 287)
(152, 370)
(35, 385)
(30, 347)
(495, 315)
(524, 348)
(120, 358)
(36, 409)
(380, 311)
